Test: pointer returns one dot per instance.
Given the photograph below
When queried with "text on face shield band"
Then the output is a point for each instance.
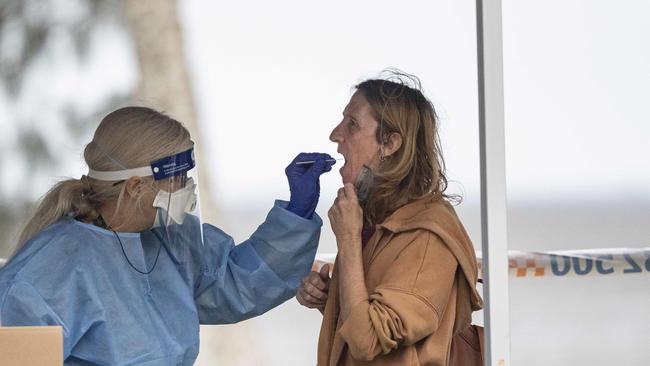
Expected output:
(171, 166)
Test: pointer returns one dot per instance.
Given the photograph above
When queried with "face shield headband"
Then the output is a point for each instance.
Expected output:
(174, 203)
(171, 166)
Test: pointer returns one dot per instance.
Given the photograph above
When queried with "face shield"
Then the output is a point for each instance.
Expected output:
(178, 221)
(177, 224)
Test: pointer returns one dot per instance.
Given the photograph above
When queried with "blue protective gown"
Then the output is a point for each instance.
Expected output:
(75, 275)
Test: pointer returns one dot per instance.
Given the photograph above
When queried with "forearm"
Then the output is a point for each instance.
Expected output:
(355, 305)
(286, 243)
(237, 282)
(352, 284)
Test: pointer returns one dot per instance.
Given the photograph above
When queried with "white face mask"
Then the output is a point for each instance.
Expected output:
(179, 203)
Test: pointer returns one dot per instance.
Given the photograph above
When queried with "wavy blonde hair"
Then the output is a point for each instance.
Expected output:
(417, 168)
(127, 138)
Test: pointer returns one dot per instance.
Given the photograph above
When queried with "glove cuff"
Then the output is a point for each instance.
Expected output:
(302, 210)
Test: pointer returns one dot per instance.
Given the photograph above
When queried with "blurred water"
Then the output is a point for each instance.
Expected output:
(580, 320)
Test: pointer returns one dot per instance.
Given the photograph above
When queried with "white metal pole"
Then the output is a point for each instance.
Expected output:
(493, 182)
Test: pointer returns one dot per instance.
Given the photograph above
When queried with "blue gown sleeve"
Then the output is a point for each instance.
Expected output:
(246, 280)
(22, 305)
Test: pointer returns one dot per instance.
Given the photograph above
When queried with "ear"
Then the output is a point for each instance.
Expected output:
(134, 186)
(393, 143)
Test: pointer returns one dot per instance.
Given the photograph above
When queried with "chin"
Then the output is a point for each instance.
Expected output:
(346, 176)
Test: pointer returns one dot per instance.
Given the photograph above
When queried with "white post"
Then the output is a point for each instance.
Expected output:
(493, 182)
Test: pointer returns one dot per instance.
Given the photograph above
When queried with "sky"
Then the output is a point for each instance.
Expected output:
(272, 78)
(275, 77)
(577, 80)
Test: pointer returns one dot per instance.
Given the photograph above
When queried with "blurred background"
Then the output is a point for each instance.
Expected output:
(258, 82)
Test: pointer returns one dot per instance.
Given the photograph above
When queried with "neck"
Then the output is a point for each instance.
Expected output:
(113, 222)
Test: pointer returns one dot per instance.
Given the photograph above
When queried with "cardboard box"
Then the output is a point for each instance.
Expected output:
(31, 346)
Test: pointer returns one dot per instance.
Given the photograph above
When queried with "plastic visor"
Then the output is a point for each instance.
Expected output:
(177, 225)
(178, 222)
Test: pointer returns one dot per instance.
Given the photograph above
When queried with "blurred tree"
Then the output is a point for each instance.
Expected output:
(31, 31)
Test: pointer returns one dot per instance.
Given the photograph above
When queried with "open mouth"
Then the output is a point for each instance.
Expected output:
(345, 162)
(346, 171)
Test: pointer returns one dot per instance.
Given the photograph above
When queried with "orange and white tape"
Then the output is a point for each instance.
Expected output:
(589, 262)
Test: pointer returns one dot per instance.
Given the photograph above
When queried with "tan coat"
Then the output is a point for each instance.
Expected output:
(420, 271)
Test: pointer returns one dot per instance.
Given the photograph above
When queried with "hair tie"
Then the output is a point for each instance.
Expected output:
(86, 189)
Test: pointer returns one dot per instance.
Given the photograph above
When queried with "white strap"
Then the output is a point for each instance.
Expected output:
(144, 171)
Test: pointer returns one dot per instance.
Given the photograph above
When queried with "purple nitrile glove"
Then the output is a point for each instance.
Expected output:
(304, 182)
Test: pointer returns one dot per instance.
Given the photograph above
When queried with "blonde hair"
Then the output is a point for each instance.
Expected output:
(417, 168)
(127, 138)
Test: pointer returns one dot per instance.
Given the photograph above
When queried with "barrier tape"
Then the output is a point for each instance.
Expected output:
(588, 262)
(601, 262)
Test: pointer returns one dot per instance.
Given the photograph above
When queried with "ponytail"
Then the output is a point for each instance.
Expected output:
(68, 196)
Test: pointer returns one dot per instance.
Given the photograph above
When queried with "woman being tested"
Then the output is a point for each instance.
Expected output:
(404, 279)
(120, 259)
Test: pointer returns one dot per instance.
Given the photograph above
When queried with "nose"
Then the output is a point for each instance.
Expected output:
(336, 136)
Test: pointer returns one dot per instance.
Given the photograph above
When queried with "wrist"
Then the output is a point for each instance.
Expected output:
(350, 244)
(349, 237)
(300, 210)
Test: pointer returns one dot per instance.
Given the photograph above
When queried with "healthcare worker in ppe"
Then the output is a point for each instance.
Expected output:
(121, 260)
